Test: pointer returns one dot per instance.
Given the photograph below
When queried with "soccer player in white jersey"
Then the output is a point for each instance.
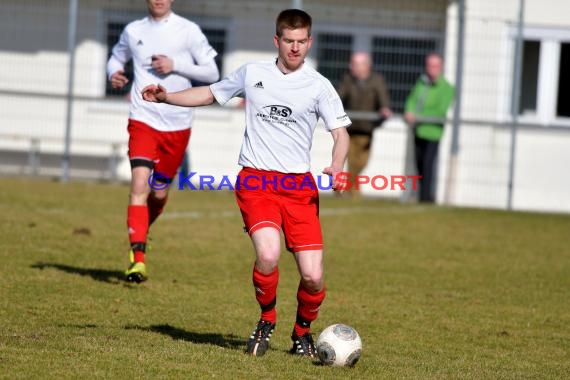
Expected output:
(275, 189)
(170, 50)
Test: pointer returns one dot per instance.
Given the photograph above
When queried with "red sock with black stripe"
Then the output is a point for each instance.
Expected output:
(308, 304)
(137, 223)
(266, 293)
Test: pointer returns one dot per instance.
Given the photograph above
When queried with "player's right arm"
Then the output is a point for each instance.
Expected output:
(118, 79)
(191, 97)
(121, 54)
(229, 87)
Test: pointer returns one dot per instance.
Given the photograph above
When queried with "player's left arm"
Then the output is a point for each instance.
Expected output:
(206, 72)
(197, 62)
(339, 153)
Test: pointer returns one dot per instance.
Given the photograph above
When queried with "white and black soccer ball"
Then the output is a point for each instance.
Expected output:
(339, 345)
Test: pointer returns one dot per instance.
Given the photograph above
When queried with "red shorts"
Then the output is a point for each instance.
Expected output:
(282, 201)
(158, 150)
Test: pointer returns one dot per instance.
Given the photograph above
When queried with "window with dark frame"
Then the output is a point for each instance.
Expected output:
(529, 80)
(563, 97)
(401, 61)
(333, 55)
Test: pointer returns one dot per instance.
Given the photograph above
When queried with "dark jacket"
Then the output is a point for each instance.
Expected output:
(368, 95)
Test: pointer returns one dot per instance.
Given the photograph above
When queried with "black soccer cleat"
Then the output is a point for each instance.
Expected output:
(258, 342)
(303, 345)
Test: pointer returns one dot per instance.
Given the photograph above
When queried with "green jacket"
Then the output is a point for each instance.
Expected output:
(429, 99)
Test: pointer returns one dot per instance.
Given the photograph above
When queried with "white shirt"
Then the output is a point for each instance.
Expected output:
(282, 111)
(177, 38)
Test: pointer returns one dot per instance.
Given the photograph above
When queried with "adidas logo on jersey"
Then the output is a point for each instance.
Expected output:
(140, 42)
(258, 85)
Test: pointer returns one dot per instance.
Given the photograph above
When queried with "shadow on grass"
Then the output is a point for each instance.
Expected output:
(103, 275)
(226, 341)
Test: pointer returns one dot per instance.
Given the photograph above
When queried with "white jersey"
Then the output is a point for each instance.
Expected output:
(177, 38)
(282, 111)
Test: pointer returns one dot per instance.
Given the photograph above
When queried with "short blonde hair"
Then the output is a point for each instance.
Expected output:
(292, 19)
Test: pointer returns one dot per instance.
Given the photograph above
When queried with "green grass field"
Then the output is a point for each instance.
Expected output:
(434, 292)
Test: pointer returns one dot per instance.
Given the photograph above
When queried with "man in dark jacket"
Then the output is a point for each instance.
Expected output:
(365, 91)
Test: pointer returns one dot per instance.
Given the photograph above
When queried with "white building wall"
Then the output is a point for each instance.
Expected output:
(541, 155)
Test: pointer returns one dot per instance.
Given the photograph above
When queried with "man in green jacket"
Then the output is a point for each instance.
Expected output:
(430, 98)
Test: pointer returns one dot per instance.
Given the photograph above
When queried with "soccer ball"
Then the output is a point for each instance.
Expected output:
(339, 345)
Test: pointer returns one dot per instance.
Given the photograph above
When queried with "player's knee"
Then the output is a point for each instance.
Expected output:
(267, 259)
(312, 281)
(139, 186)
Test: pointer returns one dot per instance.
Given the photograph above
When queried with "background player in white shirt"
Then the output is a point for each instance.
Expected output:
(170, 50)
(275, 190)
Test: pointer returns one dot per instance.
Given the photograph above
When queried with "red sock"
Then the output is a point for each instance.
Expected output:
(266, 293)
(308, 304)
(137, 222)
(155, 207)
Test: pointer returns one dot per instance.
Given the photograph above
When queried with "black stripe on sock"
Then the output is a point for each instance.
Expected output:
(138, 247)
(302, 322)
(270, 305)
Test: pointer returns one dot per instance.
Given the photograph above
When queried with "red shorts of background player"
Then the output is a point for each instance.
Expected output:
(282, 201)
(158, 150)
